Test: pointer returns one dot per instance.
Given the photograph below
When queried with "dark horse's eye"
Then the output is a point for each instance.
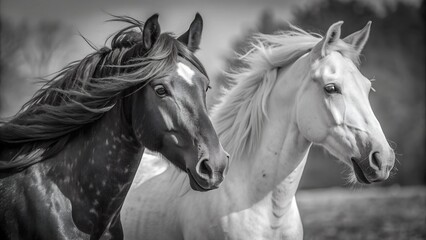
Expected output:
(160, 90)
(208, 87)
(331, 88)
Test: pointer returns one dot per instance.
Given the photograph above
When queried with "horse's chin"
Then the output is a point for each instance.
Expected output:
(194, 183)
(359, 173)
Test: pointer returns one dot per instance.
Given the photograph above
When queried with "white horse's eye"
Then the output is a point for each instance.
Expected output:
(160, 90)
(331, 88)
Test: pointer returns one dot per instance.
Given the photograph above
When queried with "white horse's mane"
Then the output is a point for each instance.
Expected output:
(239, 116)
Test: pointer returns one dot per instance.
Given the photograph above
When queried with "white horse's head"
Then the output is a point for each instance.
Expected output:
(333, 109)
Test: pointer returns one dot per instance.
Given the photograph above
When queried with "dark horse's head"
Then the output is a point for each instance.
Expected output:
(169, 115)
(156, 80)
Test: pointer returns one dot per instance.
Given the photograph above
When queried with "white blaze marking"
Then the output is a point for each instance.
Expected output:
(185, 72)
(167, 119)
(174, 138)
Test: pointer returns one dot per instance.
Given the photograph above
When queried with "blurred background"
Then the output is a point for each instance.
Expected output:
(39, 37)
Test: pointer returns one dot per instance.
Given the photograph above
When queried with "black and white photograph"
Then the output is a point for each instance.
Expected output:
(212, 120)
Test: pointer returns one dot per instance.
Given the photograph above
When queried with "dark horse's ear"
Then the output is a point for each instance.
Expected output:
(192, 37)
(151, 32)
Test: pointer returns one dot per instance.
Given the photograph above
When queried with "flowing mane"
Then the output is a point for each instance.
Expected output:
(241, 112)
(85, 90)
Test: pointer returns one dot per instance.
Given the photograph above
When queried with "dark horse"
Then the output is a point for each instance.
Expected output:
(68, 158)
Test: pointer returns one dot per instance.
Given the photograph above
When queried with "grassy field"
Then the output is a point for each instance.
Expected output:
(371, 213)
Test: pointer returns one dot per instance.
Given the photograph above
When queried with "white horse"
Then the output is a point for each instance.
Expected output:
(297, 90)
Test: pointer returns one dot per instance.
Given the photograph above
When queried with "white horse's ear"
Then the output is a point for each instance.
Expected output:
(333, 34)
(359, 39)
(192, 37)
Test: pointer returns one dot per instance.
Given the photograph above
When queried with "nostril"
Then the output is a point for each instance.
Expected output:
(374, 161)
(204, 169)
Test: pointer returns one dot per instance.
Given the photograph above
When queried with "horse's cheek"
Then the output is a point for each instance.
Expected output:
(310, 120)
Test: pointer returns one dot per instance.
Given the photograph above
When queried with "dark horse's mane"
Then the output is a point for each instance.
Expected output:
(85, 90)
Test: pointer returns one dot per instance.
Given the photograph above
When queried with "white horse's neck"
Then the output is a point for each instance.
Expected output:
(272, 173)
(275, 166)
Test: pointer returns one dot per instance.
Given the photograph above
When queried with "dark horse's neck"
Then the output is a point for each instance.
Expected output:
(96, 168)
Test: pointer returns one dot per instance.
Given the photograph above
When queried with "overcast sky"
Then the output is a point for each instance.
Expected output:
(224, 20)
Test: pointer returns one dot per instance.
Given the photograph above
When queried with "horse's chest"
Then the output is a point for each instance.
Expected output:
(248, 224)
(259, 222)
